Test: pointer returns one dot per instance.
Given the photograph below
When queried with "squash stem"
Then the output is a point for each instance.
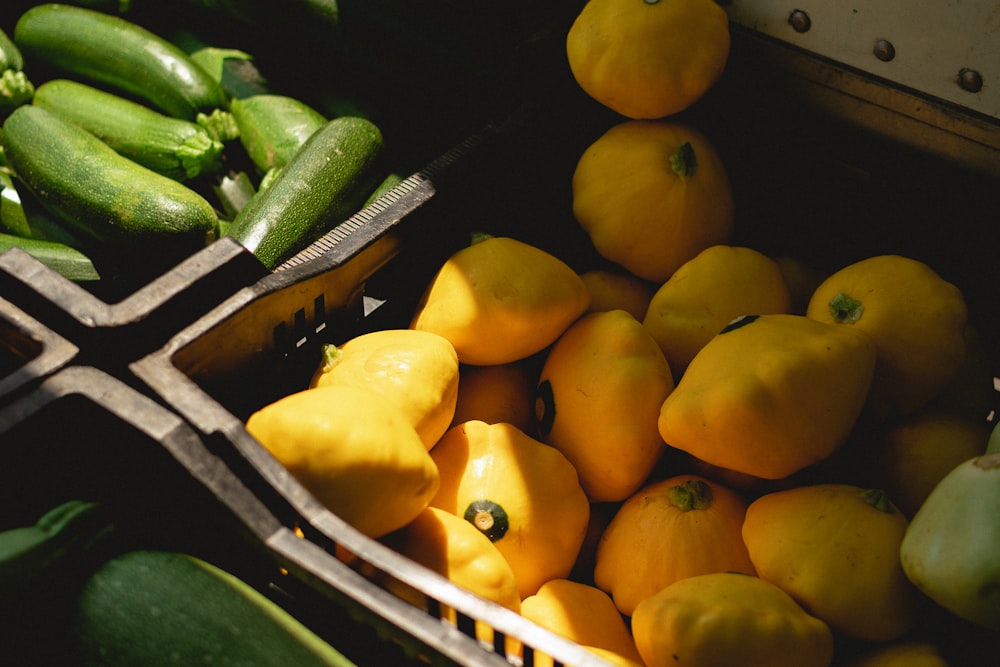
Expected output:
(683, 160)
(878, 499)
(846, 309)
(694, 494)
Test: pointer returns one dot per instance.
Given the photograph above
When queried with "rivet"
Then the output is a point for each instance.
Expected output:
(799, 21)
(970, 80)
(884, 50)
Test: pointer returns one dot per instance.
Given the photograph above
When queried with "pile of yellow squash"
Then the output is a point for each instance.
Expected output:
(702, 456)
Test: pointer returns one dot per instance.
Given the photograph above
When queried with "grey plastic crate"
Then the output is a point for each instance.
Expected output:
(29, 351)
(112, 333)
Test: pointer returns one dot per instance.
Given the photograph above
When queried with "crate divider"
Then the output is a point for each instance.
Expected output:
(31, 350)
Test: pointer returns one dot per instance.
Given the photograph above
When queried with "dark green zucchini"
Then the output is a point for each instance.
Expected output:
(21, 215)
(324, 183)
(73, 579)
(112, 51)
(84, 183)
(10, 55)
(274, 127)
(390, 181)
(153, 608)
(174, 147)
(61, 258)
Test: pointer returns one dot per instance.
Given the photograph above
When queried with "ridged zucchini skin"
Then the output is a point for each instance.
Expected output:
(324, 183)
(177, 148)
(84, 183)
(154, 608)
(73, 264)
(110, 50)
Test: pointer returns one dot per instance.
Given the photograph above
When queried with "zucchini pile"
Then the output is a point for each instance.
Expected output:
(124, 152)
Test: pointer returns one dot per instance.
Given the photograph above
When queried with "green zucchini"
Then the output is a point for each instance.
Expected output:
(84, 183)
(61, 258)
(15, 87)
(10, 55)
(273, 127)
(390, 181)
(154, 608)
(325, 182)
(75, 591)
(174, 147)
(21, 215)
(111, 51)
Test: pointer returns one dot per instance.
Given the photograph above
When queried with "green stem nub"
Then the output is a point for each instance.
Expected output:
(878, 499)
(845, 309)
(683, 160)
(694, 494)
(488, 517)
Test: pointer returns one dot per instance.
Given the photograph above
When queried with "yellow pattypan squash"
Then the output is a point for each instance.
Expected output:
(648, 58)
(916, 318)
(802, 280)
(914, 453)
(522, 494)
(497, 393)
(770, 395)
(580, 612)
(416, 370)
(599, 396)
(670, 529)
(707, 292)
(651, 195)
(500, 300)
(835, 549)
(612, 289)
(725, 619)
(452, 547)
(355, 452)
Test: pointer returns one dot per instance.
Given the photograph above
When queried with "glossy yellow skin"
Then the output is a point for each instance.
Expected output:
(917, 320)
(707, 292)
(724, 619)
(608, 379)
(651, 542)
(638, 211)
(500, 300)
(416, 370)
(912, 455)
(356, 453)
(535, 484)
(452, 547)
(498, 393)
(837, 554)
(618, 290)
(582, 613)
(772, 396)
(648, 58)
